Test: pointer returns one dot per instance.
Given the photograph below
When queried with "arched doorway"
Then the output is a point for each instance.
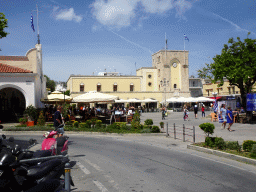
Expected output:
(12, 104)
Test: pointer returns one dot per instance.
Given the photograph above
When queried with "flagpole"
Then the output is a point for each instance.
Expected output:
(184, 51)
(38, 40)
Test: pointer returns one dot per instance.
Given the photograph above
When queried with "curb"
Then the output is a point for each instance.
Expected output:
(222, 154)
(82, 133)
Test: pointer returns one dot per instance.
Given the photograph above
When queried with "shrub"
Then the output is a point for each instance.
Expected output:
(161, 124)
(208, 128)
(88, 123)
(219, 143)
(98, 123)
(136, 125)
(233, 145)
(41, 119)
(93, 121)
(50, 125)
(247, 145)
(23, 120)
(147, 127)
(209, 141)
(69, 123)
(253, 152)
(23, 125)
(148, 122)
(136, 117)
(31, 112)
(82, 125)
(76, 124)
(155, 129)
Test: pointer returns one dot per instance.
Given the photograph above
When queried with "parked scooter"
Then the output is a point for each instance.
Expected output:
(57, 145)
(16, 176)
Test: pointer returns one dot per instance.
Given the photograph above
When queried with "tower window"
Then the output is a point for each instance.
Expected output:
(115, 87)
(175, 86)
(98, 87)
(81, 87)
(131, 87)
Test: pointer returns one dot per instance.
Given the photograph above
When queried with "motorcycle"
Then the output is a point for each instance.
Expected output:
(16, 176)
(59, 145)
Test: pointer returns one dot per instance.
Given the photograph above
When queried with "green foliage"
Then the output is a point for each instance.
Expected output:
(65, 108)
(237, 63)
(233, 145)
(76, 124)
(161, 124)
(145, 131)
(50, 125)
(209, 141)
(23, 125)
(247, 145)
(94, 120)
(208, 128)
(67, 93)
(155, 129)
(147, 127)
(31, 112)
(3, 24)
(98, 123)
(50, 83)
(148, 122)
(136, 125)
(83, 125)
(136, 117)
(253, 152)
(41, 119)
(88, 123)
(219, 143)
(23, 120)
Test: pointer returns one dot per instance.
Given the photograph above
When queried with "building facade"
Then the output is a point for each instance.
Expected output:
(21, 82)
(168, 77)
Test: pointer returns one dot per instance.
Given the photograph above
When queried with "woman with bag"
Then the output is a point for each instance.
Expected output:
(223, 113)
(229, 118)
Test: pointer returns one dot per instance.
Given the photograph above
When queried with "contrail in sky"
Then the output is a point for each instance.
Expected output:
(132, 42)
(235, 25)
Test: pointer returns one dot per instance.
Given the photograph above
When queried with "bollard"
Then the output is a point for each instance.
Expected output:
(174, 131)
(183, 133)
(194, 134)
(167, 130)
(67, 177)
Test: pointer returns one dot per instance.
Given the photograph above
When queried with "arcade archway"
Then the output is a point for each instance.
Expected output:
(12, 104)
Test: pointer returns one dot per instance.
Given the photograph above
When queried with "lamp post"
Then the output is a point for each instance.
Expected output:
(164, 83)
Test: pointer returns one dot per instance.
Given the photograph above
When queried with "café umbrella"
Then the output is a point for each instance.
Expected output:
(94, 97)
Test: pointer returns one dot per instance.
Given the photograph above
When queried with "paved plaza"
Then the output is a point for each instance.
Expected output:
(241, 131)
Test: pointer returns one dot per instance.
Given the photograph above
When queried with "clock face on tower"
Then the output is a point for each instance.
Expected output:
(174, 65)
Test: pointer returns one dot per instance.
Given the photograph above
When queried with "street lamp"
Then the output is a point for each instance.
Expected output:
(164, 83)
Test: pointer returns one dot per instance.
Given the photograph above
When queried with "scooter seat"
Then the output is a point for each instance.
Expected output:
(42, 153)
(39, 171)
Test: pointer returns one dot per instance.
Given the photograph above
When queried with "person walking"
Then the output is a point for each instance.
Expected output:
(223, 113)
(229, 118)
(203, 113)
(58, 120)
(195, 110)
(163, 113)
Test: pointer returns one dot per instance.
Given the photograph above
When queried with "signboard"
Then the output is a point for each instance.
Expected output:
(251, 102)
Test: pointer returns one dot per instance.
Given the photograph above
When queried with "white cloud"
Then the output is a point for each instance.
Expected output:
(67, 15)
(119, 13)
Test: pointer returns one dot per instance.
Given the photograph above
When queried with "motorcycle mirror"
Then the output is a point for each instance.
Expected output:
(3, 136)
(11, 139)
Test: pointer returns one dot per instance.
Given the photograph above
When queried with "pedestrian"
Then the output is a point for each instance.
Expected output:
(58, 120)
(195, 110)
(186, 113)
(223, 113)
(163, 113)
(203, 113)
(229, 118)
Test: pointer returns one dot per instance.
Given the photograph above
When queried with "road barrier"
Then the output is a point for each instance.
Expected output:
(183, 132)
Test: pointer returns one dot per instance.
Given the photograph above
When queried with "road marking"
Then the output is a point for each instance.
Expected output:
(100, 186)
(86, 171)
(93, 165)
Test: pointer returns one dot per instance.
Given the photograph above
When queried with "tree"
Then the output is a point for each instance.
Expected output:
(67, 93)
(237, 63)
(3, 24)
(50, 83)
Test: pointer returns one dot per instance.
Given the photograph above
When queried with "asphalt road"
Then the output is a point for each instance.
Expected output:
(145, 164)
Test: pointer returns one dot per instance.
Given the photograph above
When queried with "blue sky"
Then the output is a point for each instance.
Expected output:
(82, 37)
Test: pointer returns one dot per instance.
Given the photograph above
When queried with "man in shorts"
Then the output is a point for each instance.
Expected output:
(58, 120)
(195, 110)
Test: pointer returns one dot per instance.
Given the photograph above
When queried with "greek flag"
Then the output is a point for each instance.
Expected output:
(186, 38)
(32, 25)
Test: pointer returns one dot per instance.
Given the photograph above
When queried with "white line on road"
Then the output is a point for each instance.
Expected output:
(100, 186)
(86, 171)
(93, 165)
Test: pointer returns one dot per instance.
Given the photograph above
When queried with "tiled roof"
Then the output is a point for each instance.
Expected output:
(14, 58)
(10, 69)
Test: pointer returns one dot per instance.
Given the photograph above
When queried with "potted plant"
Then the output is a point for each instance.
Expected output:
(162, 124)
(31, 113)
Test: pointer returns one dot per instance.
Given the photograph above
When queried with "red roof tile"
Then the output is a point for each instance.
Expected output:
(10, 69)
(14, 58)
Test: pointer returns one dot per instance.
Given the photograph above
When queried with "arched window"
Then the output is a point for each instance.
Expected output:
(115, 87)
(131, 87)
(175, 86)
(81, 87)
(98, 87)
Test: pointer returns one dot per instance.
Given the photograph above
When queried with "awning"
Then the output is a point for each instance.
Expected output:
(214, 98)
